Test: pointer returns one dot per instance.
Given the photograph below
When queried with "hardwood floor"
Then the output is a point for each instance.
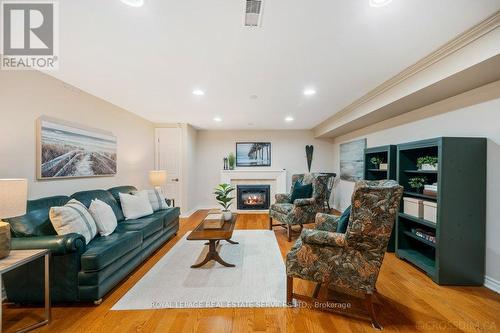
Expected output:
(409, 302)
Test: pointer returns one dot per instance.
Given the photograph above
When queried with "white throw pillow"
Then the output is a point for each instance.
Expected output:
(135, 206)
(104, 217)
(156, 199)
(73, 217)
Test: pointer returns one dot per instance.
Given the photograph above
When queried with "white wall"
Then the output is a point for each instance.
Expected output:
(474, 114)
(189, 169)
(287, 152)
(27, 95)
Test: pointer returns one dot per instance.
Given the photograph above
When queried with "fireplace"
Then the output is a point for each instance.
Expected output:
(253, 197)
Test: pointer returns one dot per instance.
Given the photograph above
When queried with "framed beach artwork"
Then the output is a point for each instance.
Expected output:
(68, 150)
(253, 154)
(352, 160)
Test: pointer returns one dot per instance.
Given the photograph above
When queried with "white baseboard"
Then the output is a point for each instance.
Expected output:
(492, 284)
(194, 210)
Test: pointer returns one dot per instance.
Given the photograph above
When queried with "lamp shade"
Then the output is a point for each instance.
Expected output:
(157, 177)
(13, 197)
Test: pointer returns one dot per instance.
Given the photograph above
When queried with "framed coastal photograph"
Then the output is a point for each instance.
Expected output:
(68, 150)
(352, 160)
(250, 154)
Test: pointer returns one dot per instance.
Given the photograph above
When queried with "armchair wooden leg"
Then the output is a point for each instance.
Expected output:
(289, 232)
(270, 223)
(289, 290)
(371, 311)
(317, 290)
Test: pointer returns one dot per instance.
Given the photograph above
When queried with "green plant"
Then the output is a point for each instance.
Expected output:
(222, 192)
(376, 160)
(231, 159)
(417, 182)
(432, 160)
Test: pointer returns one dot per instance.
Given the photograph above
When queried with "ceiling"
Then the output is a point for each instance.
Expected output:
(148, 60)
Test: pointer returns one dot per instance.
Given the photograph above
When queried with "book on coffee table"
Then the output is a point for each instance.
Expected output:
(213, 221)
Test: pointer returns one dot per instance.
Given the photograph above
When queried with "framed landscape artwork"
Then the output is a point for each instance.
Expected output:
(250, 154)
(352, 160)
(66, 150)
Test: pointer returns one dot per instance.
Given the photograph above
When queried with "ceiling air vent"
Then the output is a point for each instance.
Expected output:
(253, 13)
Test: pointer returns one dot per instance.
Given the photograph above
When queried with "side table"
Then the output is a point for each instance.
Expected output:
(17, 258)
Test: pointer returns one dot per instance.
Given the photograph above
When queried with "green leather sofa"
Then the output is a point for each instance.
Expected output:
(80, 272)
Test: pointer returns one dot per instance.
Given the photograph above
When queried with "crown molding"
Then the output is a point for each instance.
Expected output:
(461, 41)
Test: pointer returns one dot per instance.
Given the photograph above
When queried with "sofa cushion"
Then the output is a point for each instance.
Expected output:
(36, 222)
(86, 197)
(148, 225)
(283, 208)
(168, 216)
(103, 251)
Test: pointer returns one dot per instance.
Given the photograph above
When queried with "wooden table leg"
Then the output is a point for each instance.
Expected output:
(231, 241)
(212, 255)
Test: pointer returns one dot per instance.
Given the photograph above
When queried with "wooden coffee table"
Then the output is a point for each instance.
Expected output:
(214, 236)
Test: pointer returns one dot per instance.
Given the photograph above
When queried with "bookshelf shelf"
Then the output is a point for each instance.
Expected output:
(420, 239)
(417, 220)
(457, 257)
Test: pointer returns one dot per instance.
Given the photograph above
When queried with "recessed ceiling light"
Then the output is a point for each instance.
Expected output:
(198, 92)
(218, 119)
(379, 3)
(309, 92)
(289, 119)
(133, 3)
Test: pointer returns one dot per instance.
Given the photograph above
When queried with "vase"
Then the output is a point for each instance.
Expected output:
(4, 239)
(227, 215)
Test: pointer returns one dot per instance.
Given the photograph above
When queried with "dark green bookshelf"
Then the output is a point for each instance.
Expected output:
(388, 155)
(457, 257)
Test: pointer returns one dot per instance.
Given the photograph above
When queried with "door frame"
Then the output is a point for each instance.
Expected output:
(178, 201)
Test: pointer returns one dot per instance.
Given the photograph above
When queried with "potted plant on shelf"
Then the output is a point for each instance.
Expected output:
(427, 163)
(417, 184)
(222, 192)
(376, 161)
(231, 159)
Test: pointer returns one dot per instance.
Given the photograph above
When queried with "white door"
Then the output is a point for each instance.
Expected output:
(168, 157)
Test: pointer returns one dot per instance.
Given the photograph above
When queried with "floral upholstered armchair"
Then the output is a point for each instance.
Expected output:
(351, 260)
(301, 211)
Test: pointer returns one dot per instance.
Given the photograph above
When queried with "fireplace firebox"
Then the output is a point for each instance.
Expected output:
(253, 197)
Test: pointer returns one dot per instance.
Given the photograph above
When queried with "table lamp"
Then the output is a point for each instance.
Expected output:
(13, 196)
(157, 178)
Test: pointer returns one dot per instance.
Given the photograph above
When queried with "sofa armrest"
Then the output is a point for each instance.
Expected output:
(304, 202)
(282, 197)
(57, 244)
(326, 222)
(323, 238)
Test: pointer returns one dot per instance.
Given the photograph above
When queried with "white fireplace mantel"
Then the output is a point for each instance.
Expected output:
(279, 176)
(275, 178)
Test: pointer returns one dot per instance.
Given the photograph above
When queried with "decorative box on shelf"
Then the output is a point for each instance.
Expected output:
(383, 166)
(430, 211)
(413, 207)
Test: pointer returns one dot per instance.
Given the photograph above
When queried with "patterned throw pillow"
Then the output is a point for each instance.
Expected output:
(156, 199)
(73, 218)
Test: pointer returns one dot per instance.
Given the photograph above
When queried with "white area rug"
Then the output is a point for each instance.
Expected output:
(258, 280)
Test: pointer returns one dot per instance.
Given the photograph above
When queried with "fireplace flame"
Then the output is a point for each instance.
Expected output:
(254, 200)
